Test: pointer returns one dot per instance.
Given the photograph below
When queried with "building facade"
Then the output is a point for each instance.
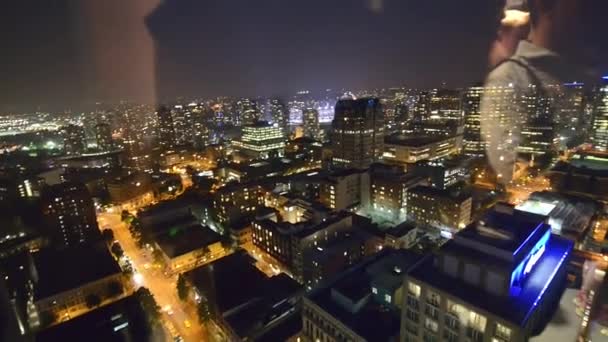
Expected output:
(404, 151)
(261, 141)
(448, 210)
(357, 133)
(499, 279)
(103, 136)
(74, 142)
(166, 127)
(599, 131)
(69, 213)
(346, 190)
(310, 121)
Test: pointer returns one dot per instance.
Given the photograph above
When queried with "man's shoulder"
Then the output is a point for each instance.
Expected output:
(510, 73)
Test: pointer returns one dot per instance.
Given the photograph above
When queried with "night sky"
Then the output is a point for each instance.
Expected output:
(59, 53)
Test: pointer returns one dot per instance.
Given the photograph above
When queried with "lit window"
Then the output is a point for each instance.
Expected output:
(387, 298)
(413, 289)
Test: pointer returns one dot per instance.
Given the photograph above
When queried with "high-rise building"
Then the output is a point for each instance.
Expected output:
(73, 139)
(278, 113)
(103, 135)
(310, 120)
(599, 133)
(473, 144)
(248, 112)
(261, 141)
(183, 123)
(166, 128)
(69, 213)
(499, 279)
(357, 133)
(538, 134)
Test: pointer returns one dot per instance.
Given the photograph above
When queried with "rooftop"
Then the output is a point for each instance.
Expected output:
(181, 240)
(371, 321)
(388, 272)
(401, 229)
(450, 193)
(409, 141)
(119, 321)
(504, 231)
(70, 268)
(227, 276)
(515, 309)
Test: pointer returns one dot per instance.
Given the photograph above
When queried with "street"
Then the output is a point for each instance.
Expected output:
(176, 315)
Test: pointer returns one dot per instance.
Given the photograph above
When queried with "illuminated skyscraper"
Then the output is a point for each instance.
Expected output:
(473, 144)
(248, 112)
(278, 113)
(69, 214)
(599, 132)
(261, 141)
(73, 139)
(166, 128)
(103, 135)
(357, 133)
(310, 119)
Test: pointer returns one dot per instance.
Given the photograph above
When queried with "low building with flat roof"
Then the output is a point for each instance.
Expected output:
(404, 150)
(66, 278)
(187, 247)
(569, 216)
(121, 321)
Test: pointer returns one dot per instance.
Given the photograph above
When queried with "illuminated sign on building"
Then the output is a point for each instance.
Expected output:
(525, 267)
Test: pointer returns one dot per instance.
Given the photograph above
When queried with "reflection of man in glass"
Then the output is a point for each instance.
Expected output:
(520, 97)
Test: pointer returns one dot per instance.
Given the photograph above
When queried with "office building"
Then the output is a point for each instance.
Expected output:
(69, 214)
(499, 279)
(278, 114)
(234, 201)
(357, 133)
(388, 193)
(599, 130)
(103, 136)
(406, 150)
(166, 128)
(448, 210)
(313, 251)
(310, 120)
(183, 123)
(74, 142)
(473, 144)
(248, 112)
(538, 133)
(261, 140)
(345, 190)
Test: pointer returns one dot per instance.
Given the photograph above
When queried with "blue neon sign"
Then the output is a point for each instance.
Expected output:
(525, 267)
